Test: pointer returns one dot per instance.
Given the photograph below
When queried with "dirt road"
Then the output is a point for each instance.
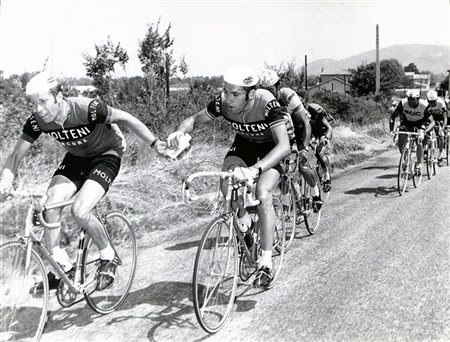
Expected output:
(379, 270)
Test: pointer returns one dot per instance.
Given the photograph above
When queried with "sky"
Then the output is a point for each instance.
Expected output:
(211, 35)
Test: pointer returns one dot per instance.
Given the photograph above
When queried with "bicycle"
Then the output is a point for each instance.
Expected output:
(318, 167)
(226, 254)
(24, 287)
(430, 154)
(447, 142)
(407, 164)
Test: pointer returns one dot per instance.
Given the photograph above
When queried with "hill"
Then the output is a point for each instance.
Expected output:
(434, 58)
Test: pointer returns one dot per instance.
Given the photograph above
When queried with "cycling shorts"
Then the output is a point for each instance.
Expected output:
(411, 126)
(250, 152)
(102, 169)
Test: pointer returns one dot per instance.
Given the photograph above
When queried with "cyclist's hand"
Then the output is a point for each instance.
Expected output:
(246, 174)
(161, 147)
(173, 140)
(324, 140)
(303, 155)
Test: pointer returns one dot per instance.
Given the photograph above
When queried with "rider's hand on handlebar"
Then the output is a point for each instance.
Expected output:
(303, 155)
(246, 174)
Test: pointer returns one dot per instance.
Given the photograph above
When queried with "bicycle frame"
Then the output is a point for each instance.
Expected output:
(31, 239)
(233, 189)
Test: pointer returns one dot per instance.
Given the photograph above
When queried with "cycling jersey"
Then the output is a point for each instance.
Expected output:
(439, 110)
(256, 123)
(412, 115)
(86, 132)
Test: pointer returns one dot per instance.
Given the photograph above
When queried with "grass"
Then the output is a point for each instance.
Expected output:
(148, 187)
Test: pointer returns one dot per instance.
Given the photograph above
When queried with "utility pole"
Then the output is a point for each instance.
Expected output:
(306, 72)
(377, 65)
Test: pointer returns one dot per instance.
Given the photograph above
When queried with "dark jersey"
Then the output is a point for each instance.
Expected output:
(316, 115)
(256, 123)
(86, 132)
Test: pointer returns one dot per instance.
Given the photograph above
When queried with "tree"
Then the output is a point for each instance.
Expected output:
(411, 67)
(184, 68)
(157, 58)
(362, 80)
(100, 67)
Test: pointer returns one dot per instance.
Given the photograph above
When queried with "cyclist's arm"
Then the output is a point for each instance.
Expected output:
(134, 124)
(13, 161)
(431, 124)
(282, 148)
(302, 127)
(188, 125)
(328, 126)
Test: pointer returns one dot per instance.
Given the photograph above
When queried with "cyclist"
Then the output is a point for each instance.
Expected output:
(260, 143)
(414, 114)
(438, 110)
(321, 130)
(86, 128)
(302, 128)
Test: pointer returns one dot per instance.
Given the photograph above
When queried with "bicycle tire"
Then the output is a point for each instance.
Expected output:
(288, 200)
(447, 142)
(279, 241)
(416, 178)
(429, 161)
(311, 218)
(122, 237)
(403, 172)
(23, 308)
(216, 262)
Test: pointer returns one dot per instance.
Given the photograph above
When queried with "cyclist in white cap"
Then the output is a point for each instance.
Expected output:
(261, 142)
(438, 110)
(414, 114)
(86, 128)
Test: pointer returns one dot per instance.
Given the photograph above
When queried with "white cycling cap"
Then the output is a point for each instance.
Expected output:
(415, 93)
(432, 95)
(41, 83)
(268, 78)
(241, 76)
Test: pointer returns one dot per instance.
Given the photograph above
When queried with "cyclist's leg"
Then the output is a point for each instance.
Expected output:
(420, 146)
(402, 138)
(321, 150)
(103, 170)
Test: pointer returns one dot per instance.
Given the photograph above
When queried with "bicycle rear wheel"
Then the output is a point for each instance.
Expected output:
(215, 275)
(23, 307)
(279, 241)
(403, 172)
(121, 236)
(288, 201)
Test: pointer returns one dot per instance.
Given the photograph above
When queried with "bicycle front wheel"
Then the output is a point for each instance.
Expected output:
(403, 172)
(121, 236)
(23, 306)
(215, 275)
(279, 241)
(288, 201)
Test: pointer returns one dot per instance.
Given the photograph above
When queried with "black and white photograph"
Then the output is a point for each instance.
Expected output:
(212, 170)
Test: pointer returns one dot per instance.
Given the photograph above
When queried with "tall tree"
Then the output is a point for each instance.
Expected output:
(156, 57)
(101, 67)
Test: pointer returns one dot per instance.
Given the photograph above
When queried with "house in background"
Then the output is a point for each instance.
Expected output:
(336, 82)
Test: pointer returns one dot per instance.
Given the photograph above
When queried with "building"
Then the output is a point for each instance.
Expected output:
(336, 82)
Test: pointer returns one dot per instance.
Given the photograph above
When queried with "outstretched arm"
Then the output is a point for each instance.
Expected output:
(187, 126)
(12, 164)
(136, 126)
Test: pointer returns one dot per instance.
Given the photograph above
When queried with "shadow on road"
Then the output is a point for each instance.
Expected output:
(183, 245)
(174, 299)
(379, 167)
(380, 191)
(387, 176)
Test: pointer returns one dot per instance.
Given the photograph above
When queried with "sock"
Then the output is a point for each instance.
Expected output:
(107, 253)
(62, 258)
(315, 191)
(266, 259)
